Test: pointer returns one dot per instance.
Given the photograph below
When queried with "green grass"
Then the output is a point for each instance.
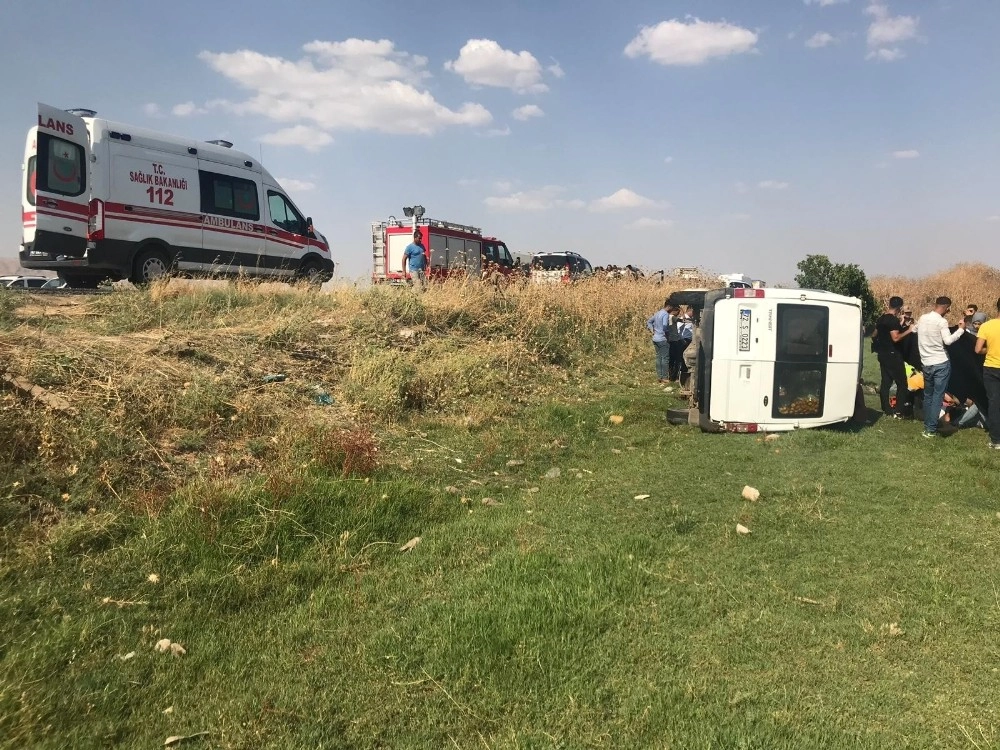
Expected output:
(861, 612)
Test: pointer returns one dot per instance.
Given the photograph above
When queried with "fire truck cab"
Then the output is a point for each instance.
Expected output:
(451, 249)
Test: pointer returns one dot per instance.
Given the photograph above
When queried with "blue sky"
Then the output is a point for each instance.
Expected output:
(730, 134)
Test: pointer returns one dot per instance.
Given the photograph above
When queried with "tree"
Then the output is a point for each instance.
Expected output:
(817, 272)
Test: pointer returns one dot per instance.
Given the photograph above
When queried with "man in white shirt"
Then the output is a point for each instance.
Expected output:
(932, 338)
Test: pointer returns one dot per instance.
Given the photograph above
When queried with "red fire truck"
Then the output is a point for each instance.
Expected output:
(452, 250)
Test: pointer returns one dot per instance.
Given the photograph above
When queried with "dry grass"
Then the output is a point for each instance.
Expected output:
(967, 283)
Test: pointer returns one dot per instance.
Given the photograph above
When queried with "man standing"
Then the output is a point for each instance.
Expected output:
(932, 338)
(676, 344)
(414, 258)
(988, 340)
(889, 332)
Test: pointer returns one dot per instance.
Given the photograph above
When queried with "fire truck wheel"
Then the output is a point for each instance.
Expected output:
(149, 266)
(677, 416)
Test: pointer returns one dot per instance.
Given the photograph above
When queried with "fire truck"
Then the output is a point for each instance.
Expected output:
(452, 249)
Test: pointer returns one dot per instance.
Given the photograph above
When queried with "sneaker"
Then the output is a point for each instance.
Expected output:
(929, 434)
(994, 446)
(896, 416)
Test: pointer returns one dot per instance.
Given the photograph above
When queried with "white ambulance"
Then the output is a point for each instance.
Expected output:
(105, 200)
(772, 360)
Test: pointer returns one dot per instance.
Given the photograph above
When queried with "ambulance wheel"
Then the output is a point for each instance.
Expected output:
(149, 266)
(677, 416)
(312, 273)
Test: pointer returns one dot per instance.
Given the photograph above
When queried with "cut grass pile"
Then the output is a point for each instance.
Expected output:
(187, 499)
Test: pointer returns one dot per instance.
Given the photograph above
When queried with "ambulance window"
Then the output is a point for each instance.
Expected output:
(229, 196)
(31, 180)
(283, 213)
(61, 166)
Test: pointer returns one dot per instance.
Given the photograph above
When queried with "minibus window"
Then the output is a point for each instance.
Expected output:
(800, 361)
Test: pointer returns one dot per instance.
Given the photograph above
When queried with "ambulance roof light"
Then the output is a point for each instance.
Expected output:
(81, 112)
(220, 142)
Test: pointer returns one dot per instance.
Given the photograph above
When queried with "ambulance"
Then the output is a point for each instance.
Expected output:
(772, 360)
(102, 200)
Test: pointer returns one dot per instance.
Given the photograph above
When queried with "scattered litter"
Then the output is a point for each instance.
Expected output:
(771, 438)
(553, 473)
(668, 389)
(153, 578)
(616, 419)
(641, 497)
(751, 493)
(168, 710)
(321, 396)
(277, 377)
(893, 629)
(490, 502)
(165, 645)
(407, 334)
(465, 501)
(126, 657)
(616, 451)
(579, 475)
(532, 490)
(741, 529)
(410, 544)
(178, 738)
(806, 600)
(515, 462)
(451, 489)
(122, 602)
(458, 460)
(38, 393)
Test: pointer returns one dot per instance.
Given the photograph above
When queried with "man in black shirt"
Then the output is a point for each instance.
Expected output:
(889, 334)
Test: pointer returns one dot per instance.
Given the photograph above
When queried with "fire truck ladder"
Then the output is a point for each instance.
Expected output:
(378, 249)
(441, 224)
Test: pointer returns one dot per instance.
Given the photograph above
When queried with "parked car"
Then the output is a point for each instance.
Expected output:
(55, 283)
(556, 267)
(24, 282)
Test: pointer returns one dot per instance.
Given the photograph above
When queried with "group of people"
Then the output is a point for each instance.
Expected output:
(952, 392)
(672, 333)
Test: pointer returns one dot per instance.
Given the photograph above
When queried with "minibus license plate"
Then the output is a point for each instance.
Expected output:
(744, 330)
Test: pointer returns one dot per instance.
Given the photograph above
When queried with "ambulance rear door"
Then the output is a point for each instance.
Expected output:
(56, 185)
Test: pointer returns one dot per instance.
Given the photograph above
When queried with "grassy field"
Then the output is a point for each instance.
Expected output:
(577, 583)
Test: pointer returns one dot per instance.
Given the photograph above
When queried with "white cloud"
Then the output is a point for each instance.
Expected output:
(690, 42)
(772, 185)
(886, 32)
(152, 110)
(741, 187)
(498, 132)
(357, 84)
(908, 154)
(308, 138)
(623, 199)
(994, 218)
(555, 70)
(539, 199)
(820, 39)
(649, 223)
(296, 186)
(186, 109)
(527, 112)
(483, 62)
(668, 160)
(824, 3)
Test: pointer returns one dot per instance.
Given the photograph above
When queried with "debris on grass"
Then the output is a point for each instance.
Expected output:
(892, 629)
(771, 438)
(751, 493)
(514, 462)
(153, 578)
(408, 547)
(277, 377)
(642, 497)
(178, 738)
(554, 473)
(38, 393)
(490, 502)
(126, 657)
(807, 600)
(165, 645)
(616, 419)
(741, 529)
